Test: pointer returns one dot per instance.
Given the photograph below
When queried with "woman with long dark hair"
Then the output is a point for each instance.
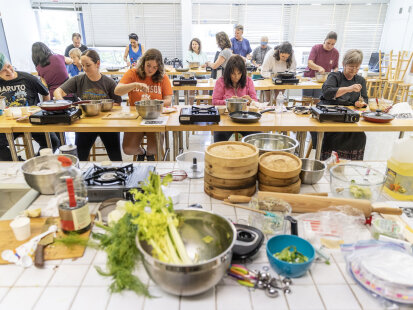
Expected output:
(224, 44)
(93, 86)
(234, 84)
(51, 67)
(147, 80)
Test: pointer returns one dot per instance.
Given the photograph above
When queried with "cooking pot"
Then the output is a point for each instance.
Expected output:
(149, 109)
(247, 117)
(55, 105)
(181, 69)
(236, 104)
(286, 75)
(377, 117)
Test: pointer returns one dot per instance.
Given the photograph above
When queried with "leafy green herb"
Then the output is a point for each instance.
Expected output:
(289, 256)
(72, 239)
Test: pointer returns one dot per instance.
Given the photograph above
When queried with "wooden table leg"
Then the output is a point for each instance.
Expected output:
(176, 97)
(186, 94)
(175, 143)
(62, 138)
(29, 143)
(159, 146)
(301, 139)
(181, 142)
(12, 146)
(320, 136)
(401, 134)
(167, 147)
(48, 140)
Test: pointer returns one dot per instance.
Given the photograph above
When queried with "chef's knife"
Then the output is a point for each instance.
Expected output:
(46, 240)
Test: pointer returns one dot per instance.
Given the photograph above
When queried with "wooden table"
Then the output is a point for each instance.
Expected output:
(89, 124)
(6, 128)
(287, 121)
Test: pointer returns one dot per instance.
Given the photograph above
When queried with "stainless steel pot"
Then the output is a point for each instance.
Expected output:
(312, 171)
(107, 105)
(214, 257)
(149, 109)
(236, 104)
(268, 142)
(40, 172)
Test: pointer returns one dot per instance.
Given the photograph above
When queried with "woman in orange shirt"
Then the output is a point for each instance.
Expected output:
(147, 78)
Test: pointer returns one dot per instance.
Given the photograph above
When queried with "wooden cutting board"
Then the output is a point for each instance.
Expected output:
(121, 115)
(52, 251)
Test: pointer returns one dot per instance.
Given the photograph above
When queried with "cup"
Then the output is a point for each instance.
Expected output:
(46, 151)
(221, 109)
(21, 228)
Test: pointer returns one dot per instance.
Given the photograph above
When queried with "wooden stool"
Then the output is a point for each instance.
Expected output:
(203, 99)
(93, 153)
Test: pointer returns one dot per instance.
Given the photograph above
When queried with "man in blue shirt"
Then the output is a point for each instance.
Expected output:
(240, 45)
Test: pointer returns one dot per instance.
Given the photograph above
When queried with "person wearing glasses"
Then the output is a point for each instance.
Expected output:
(259, 52)
(134, 50)
(345, 88)
(76, 39)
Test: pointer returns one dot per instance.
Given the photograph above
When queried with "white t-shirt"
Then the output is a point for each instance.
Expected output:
(194, 57)
(270, 64)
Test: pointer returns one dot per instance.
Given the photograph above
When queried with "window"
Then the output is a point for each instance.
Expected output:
(56, 28)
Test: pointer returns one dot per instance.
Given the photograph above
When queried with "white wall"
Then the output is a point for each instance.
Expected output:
(398, 29)
(21, 32)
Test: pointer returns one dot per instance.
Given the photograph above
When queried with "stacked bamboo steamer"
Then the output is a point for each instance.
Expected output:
(279, 172)
(230, 169)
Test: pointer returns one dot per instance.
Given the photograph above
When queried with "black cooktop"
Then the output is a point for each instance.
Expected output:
(335, 114)
(67, 116)
(199, 114)
(182, 81)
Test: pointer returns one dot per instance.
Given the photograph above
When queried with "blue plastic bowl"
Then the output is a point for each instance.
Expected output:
(278, 243)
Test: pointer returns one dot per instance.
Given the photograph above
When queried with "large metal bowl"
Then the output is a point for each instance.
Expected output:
(40, 172)
(90, 107)
(321, 77)
(149, 109)
(107, 105)
(214, 257)
(268, 142)
(312, 170)
(236, 104)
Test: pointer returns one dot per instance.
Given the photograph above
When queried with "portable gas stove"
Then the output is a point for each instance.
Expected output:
(55, 117)
(285, 81)
(335, 114)
(199, 114)
(182, 81)
(114, 182)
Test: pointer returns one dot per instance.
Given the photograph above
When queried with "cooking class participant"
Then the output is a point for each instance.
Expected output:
(224, 44)
(323, 58)
(234, 84)
(21, 89)
(76, 67)
(345, 88)
(147, 81)
(240, 45)
(260, 51)
(278, 60)
(76, 37)
(134, 50)
(195, 54)
(50, 67)
(92, 86)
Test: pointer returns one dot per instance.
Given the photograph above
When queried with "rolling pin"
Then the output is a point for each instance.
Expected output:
(304, 204)
(244, 199)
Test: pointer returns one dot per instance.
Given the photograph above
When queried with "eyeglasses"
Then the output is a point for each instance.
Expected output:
(353, 67)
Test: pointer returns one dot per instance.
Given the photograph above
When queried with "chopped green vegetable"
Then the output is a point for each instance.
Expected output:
(289, 256)
(359, 192)
(207, 239)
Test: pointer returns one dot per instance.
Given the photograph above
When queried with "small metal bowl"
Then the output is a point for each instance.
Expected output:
(268, 142)
(312, 171)
(236, 104)
(107, 105)
(90, 107)
(214, 257)
(149, 109)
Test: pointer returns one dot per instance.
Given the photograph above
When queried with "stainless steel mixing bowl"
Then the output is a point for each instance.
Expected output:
(149, 109)
(107, 105)
(91, 108)
(311, 171)
(236, 104)
(40, 172)
(214, 257)
(268, 142)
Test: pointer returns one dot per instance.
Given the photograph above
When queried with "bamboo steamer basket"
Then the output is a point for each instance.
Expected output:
(231, 173)
(280, 165)
(230, 183)
(291, 189)
(266, 180)
(222, 193)
(231, 154)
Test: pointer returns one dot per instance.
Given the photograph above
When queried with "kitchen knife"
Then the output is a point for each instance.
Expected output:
(46, 240)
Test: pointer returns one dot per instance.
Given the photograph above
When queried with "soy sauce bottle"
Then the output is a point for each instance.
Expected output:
(72, 200)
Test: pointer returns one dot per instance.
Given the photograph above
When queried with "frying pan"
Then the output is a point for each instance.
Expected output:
(286, 75)
(377, 117)
(55, 105)
(247, 117)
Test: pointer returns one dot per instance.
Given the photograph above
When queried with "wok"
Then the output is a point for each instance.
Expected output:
(247, 117)
(377, 117)
(55, 105)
